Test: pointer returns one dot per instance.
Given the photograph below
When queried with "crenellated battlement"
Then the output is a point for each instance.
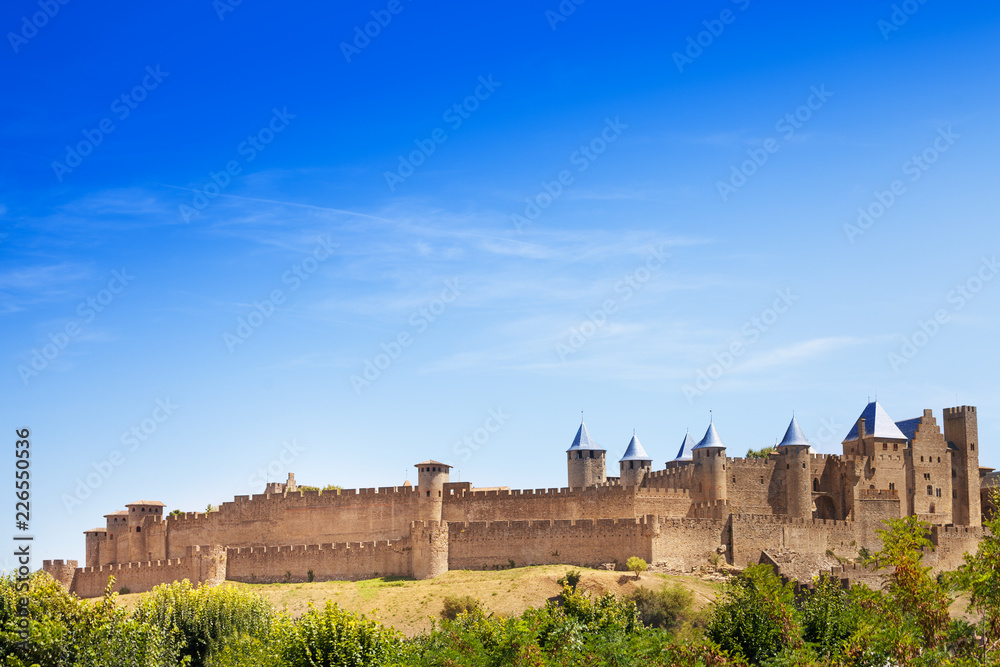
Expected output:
(878, 494)
(754, 462)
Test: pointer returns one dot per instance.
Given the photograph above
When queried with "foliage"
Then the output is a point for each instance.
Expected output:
(761, 453)
(65, 630)
(636, 564)
(571, 579)
(205, 618)
(830, 616)
(755, 617)
(912, 591)
(980, 575)
(458, 604)
(666, 608)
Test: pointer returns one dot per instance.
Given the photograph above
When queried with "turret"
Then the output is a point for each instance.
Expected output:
(142, 515)
(709, 479)
(794, 452)
(635, 464)
(586, 460)
(961, 431)
(95, 539)
(431, 478)
(684, 455)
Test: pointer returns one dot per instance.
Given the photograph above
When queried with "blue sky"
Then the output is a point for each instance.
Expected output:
(216, 216)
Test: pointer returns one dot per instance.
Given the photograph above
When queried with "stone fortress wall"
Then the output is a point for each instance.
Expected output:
(792, 507)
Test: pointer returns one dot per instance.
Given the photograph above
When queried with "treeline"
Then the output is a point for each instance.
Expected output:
(756, 620)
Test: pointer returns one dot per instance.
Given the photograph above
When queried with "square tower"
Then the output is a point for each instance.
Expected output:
(961, 431)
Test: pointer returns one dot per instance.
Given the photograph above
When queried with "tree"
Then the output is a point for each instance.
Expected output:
(636, 564)
(911, 588)
(761, 453)
(980, 575)
(755, 616)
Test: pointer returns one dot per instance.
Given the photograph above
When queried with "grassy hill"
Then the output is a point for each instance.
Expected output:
(411, 606)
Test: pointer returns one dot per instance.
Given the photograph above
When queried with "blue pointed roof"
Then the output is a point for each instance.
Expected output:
(635, 452)
(908, 427)
(684, 453)
(711, 439)
(583, 440)
(877, 423)
(794, 436)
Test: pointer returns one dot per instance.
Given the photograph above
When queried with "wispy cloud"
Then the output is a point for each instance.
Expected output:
(799, 352)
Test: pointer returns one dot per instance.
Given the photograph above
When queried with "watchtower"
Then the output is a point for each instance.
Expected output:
(961, 431)
(634, 464)
(431, 478)
(794, 451)
(709, 480)
(586, 460)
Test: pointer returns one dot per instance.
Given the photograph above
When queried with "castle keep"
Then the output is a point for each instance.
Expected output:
(793, 508)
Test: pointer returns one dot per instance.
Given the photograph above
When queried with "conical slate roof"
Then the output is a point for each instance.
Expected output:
(583, 440)
(684, 453)
(794, 436)
(711, 439)
(635, 452)
(877, 422)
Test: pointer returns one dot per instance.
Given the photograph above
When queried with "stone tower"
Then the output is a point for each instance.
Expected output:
(794, 451)
(634, 464)
(709, 481)
(586, 460)
(961, 431)
(431, 478)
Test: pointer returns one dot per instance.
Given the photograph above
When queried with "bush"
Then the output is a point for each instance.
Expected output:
(205, 618)
(458, 604)
(666, 608)
(755, 617)
(66, 631)
(571, 579)
(636, 564)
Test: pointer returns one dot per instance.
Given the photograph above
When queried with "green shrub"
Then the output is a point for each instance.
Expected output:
(458, 604)
(666, 608)
(571, 579)
(334, 637)
(65, 630)
(636, 564)
(205, 618)
(755, 617)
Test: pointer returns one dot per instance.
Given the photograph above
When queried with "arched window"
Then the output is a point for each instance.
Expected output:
(930, 490)
(815, 485)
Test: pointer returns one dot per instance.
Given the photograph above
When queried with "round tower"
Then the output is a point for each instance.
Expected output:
(795, 455)
(709, 477)
(635, 464)
(431, 478)
(586, 460)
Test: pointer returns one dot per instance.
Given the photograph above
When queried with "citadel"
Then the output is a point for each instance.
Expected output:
(794, 508)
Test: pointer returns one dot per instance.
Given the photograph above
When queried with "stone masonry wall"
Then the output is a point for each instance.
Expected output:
(200, 565)
(479, 545)
(301, 517)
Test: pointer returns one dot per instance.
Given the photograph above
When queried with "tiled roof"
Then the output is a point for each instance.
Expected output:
(908, 427)
(583, 440)
(711, 439)
(877, 423)
(684, 453)
(431, 462)
(635, 452)
(794, 436)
